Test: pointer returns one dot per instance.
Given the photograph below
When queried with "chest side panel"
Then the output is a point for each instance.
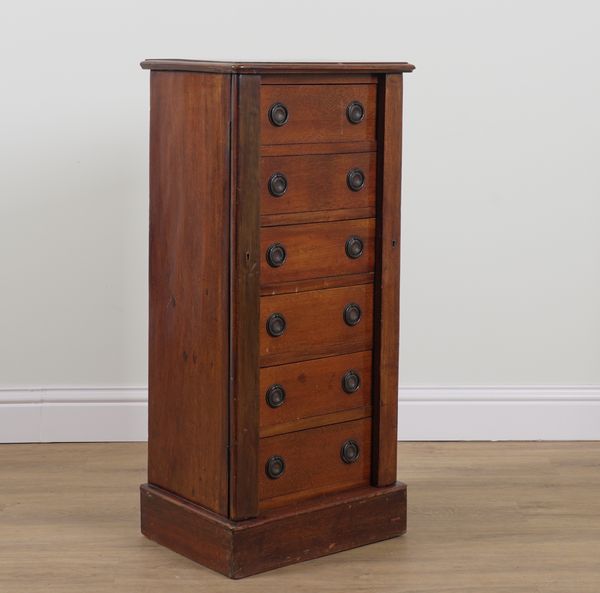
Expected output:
(189, 283)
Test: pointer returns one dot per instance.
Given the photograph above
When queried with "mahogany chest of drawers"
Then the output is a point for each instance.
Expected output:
(274, 310)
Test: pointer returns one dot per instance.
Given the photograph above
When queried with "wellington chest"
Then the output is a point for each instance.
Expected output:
(274, 310)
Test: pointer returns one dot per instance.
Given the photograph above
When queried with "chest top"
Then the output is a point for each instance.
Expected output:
(278, 67)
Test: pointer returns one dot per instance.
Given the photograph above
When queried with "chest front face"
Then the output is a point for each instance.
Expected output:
(315, 222)
(274, 299)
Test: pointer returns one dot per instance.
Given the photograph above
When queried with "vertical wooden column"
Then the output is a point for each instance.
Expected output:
(387, 282)
(244, 363)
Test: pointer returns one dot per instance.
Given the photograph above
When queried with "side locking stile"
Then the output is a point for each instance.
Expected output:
(243, 475)
(387, 281)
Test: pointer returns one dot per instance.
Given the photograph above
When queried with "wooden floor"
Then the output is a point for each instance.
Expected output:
(483, 518)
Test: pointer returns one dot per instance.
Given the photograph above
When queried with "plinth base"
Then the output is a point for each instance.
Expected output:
(279, 536)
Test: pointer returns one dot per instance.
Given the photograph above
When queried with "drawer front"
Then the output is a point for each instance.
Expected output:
(291, 392)
(303, 251)
(315, 460)
(317, 113)
(305, 325)
(311, 183)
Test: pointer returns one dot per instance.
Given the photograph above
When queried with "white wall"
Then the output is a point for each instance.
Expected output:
(501, 249)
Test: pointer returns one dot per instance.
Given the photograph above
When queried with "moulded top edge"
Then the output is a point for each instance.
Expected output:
(277, 67)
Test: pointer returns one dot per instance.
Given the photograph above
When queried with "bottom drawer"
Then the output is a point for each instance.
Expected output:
(308, 462)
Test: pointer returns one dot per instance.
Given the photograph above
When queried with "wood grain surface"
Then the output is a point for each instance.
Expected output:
(342, 68)
(493, 517)
(317, 182)
(314, 387)
(316, 216)
(315, 324)
(316, 283)
(313, 462)
(309, 529)
(317, 113)
(211, 284)
(386, 343)
(342, 415)
(322, 78)
(317, 250)
(189, 283)
(319, 148)
(244, 299)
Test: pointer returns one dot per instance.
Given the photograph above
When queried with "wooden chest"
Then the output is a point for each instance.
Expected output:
(274, 310)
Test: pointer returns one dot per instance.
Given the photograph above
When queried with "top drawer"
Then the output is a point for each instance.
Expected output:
(308, 113)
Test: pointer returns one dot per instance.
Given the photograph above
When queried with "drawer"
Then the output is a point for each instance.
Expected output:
(316, 323)
(303, 251)
(293, 392)
(310, 183)
(313, 461)
(311, 113)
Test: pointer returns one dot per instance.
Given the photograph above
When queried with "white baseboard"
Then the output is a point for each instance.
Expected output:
(73, 415)
(425, 414)
(499, 413)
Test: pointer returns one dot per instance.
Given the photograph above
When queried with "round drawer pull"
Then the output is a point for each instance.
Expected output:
(278, 184)
(355, 112)
(354, 247)
(276, 466)
(276, 325)
(355, 179)
(276, 255)
(352, 314)
(278, 114)
(350, 451)
(275, 396)
(351, 382)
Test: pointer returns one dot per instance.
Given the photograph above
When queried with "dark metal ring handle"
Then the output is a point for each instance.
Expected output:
(276, 325)
(355, 179)
(275, 467)
(278, 184)
(350, 451)
(351, 381)
(352, 314)
(355, 112)
(278, 114)
(354, 247)
(276, 255)
(275, 395)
